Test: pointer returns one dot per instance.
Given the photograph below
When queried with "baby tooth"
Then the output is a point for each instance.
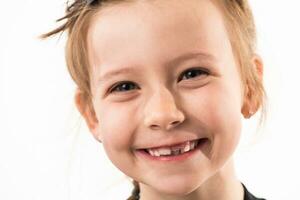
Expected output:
(187, 147)
(192, 145)
(151, 152)
(182, 151)
(164, 151)
(156, 153)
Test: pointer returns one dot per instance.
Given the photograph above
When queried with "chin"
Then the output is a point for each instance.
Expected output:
(178, 187)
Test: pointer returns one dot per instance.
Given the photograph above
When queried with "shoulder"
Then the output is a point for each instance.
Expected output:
(249, 196)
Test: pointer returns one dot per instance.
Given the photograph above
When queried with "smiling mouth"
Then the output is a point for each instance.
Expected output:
(176, 150)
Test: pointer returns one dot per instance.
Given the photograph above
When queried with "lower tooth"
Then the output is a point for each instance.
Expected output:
(182, 151)
(156, 154)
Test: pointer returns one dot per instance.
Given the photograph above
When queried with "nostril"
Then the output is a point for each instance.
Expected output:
(174, 123)
(154, 126)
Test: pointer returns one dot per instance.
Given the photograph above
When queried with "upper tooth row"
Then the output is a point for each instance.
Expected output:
(190, 145)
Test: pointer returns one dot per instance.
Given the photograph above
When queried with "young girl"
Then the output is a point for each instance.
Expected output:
(164, 85)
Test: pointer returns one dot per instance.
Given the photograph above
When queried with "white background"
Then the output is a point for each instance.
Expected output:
(47, 153)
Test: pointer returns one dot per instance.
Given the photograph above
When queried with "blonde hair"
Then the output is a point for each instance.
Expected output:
(240, 27)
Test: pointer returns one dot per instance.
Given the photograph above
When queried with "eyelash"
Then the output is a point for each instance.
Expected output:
(202, 72)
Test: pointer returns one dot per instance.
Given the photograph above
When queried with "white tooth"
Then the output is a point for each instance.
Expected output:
(164, 151)
(192, 145)
(181, 150)
(151, 152)
(187, 147)
(156, 153)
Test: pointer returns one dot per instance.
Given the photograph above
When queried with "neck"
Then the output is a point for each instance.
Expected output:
(222, 186)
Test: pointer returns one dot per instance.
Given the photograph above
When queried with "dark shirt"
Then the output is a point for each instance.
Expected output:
(249, 196)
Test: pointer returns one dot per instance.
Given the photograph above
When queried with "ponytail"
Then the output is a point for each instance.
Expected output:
(135, 194)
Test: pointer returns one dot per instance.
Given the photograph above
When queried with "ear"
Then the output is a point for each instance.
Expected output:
(251, 94)
(87, 111)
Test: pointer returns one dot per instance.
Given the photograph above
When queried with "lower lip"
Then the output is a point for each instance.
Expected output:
(179, 157)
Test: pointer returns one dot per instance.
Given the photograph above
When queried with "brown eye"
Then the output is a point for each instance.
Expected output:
(194, 72)
(123, 87)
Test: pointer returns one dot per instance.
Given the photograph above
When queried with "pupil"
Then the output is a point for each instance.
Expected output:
(192, 73)
(125, 86)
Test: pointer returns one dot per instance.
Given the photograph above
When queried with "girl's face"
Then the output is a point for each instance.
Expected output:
(182, 84)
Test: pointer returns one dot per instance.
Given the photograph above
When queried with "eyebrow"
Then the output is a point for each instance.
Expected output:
(176, 60)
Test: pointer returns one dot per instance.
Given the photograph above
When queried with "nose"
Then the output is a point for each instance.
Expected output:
(161, 111)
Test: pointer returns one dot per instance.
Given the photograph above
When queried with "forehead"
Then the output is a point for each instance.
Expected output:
(154, 31)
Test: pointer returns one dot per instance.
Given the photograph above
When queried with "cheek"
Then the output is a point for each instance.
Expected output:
(225, 108)
(225, 121)
(217, 103)
(217, 107)
(116, 126)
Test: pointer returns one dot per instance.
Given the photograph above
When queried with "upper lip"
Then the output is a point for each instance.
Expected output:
(170, 143)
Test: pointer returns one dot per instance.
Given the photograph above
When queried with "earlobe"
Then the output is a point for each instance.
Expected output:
(86, 111)
(246, 108)
(251, 96)
(247, 111)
